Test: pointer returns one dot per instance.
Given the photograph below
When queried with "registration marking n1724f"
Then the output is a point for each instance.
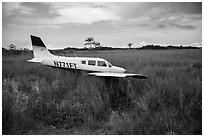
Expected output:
(64, 64)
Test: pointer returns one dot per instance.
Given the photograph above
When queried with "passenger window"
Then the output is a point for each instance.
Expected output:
(101, 63)
(83, 62)
(92, 62)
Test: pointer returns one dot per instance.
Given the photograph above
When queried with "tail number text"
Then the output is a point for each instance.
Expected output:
(65, 64)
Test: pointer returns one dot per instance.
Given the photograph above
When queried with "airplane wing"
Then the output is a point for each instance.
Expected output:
(117, 75)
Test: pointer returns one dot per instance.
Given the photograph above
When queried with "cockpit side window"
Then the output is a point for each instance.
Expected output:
(101, 63)
(92, 62)
(83, 62)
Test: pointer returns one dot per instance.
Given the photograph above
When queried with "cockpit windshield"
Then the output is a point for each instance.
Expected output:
(109, 64)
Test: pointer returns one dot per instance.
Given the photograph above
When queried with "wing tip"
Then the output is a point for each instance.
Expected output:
(140, 76)
(143, 77)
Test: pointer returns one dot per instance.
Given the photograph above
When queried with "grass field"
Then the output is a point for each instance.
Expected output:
(40, 100)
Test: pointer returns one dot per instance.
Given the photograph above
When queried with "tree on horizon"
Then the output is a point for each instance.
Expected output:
(97, 44)
(89, 41)
(12, 47)
(130, 45)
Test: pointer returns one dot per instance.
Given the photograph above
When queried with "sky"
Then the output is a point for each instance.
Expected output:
(68, 24)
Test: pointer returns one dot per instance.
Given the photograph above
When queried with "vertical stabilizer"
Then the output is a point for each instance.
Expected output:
(39, 48)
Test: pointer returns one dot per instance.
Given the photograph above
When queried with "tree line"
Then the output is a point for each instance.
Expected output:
(91, 43)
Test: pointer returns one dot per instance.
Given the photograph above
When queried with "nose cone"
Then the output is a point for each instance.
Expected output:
(123, 70)
(116, 69)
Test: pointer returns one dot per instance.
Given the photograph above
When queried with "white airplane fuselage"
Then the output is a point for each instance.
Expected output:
(82, 63)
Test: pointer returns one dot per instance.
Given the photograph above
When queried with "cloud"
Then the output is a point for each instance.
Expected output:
(49, 26)
(151, 15)
(174, 25)
(186, 7)
(186, 27)
(29, 10)
(161, 26)
(59, 13)
(120, 15)
(85, 15)
(39, 10)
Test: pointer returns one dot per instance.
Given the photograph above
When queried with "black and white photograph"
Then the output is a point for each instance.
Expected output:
(101, 68)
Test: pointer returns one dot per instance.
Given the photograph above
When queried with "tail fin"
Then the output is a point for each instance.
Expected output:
(39, 48)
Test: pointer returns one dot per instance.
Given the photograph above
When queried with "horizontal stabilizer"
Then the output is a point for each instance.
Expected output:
(117, 75)
(34, 60)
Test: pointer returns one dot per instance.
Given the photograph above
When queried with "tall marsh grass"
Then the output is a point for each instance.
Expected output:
(40, 100)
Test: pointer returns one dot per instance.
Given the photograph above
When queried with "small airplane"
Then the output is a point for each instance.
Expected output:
(94, 66)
